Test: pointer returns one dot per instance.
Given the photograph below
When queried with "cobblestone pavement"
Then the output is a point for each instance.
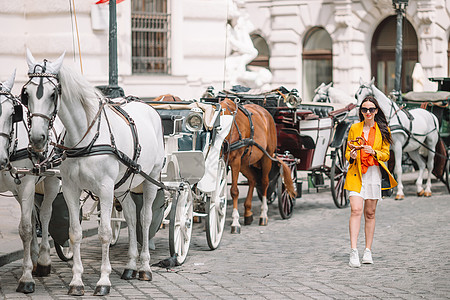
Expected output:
(305, 257)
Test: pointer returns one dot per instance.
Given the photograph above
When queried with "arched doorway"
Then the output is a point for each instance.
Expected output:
(262, 60)
(383, 54)
(317, 61)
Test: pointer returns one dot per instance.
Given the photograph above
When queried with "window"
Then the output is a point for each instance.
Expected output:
(383, 55)
(150, 36)
(262, 60)
(317, 61)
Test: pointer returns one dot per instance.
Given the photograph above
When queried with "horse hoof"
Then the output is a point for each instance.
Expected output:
(76, 290)
(248, 220)
(235, 229)
(421, 193)
(263, 221)
(427, 194)
(25, 287)
(42, 271)
(145, 275)
(128, 274)
(399, 197)
(102, 290)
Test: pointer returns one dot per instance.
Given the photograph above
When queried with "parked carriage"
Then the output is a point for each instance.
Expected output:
(439, 104)
(305, 133)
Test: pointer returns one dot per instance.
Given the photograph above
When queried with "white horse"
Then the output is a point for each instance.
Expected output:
(14, 154)
(409, 135)
(328, 93)
(90, 124)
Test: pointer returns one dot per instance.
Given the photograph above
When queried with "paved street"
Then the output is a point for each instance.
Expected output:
(305, 257)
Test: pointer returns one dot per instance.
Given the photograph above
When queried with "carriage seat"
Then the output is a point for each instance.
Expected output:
(320, 110)
(427, 96)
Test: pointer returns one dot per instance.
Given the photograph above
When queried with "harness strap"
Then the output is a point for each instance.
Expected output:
(247, 141)
(123, 158)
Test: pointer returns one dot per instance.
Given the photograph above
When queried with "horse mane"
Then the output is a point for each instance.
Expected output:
(378, 94)
(76, 88)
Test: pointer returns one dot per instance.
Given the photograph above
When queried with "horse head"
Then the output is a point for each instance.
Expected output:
(364, 90)
(322, 93)
(10, 113)
(41, 95)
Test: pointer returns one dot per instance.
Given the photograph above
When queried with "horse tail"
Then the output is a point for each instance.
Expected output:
(287, 178)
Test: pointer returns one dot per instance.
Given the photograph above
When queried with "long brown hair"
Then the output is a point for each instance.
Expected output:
(380, 118)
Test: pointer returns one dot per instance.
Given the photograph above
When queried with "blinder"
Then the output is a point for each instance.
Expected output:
(18, 113)
(24, 96)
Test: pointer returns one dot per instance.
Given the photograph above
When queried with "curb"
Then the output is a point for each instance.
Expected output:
(18, 254)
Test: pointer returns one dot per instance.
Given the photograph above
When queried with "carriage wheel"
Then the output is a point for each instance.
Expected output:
(180, 226)
(446, 175)
(338, 173)
(286, 203)
(217, 208)
(64, 251)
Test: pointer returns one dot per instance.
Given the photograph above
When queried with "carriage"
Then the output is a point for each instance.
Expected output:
(439, 104)
(305, 133)
(194, 174)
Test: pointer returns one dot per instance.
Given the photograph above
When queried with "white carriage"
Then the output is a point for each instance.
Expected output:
(194, 172)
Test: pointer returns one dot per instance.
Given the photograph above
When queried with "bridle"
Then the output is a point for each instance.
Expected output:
(323, 96)
(40, 93)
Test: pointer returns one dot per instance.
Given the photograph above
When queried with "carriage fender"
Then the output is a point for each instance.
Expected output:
(208, 182)
(340, 134)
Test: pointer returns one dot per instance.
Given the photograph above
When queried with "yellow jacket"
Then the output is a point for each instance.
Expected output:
(353, 180)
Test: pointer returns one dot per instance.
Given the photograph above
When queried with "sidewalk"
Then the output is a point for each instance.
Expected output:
(11, 248)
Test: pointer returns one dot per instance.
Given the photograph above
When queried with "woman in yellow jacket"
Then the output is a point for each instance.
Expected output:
(367, 174)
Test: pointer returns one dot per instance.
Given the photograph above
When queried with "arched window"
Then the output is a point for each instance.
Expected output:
(317, 61)
(262, 60)
(383, 54)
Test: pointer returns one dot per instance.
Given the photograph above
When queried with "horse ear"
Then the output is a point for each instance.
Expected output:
(319, 87)
(372, 81)
(30, 59)
(56, 65)
(329, 85)
(361, 81)
(10, 82)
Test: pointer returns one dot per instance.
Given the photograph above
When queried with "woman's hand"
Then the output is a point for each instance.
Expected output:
(353, 154)
(368, 149)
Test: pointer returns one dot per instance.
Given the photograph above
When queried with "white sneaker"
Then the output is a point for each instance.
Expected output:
(367, 257)
(354, 259)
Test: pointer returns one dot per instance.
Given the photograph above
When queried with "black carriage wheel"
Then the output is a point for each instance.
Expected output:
(338, 173)
(64, 251)
(446, 175)
(286, 203)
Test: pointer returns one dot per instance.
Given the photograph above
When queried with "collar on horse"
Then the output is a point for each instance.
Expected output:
(247, 142)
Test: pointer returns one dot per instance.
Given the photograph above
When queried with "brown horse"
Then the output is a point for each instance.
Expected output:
(167, 97)
(246, 151)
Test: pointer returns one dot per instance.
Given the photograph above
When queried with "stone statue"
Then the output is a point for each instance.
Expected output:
(241, 51)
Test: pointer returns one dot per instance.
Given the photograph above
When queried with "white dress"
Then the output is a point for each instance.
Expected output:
(371, 184)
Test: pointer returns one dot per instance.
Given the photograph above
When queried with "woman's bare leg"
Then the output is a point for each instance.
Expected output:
(356, 204)
(370, 207)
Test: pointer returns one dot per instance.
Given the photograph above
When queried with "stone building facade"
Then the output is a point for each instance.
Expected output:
(183, 47)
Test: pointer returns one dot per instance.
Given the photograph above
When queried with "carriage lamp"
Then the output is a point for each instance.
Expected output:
(292, 99)
(194, 121)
